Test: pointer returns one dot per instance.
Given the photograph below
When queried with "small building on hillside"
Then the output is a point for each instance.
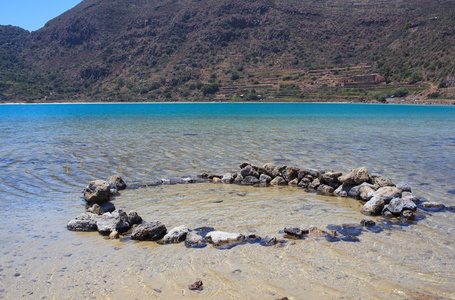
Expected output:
(361, 80)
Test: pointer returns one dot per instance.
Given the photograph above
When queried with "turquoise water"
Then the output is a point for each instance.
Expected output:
(48, 153)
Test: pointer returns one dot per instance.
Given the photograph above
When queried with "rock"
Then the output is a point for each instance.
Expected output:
(187, 180)
(408, 215)
(343, 190)
(355, 191)
(221, 238)
(367, 222)
(269, 240)
(387, 214)
(114, 235)
(249, 171)
(115, 221)
(98, 191)
(83, 222)
(304, 183)
(271, 170)
(388, 193)
(366, 192)
(295, 231)
(228, 177)
(250, 180)
(265, 179)
(216, 179)
(374, 206)
(408, 204)
(118, 181)
(278, 181)
(356, 176)
(244, 164)
(432, 205)
(294, 182)
(395, 206)
(149, 231)
(309, 172)
(314, 231)
(95, 209)
(252, 238)
(325, 189)
(409, 196)
(193, 240)
(404, 186)
(379, 180)
(314, 184)
(196, 286)
(329, 177)
(134, 218)
(176, 235)
(290, 173)
(107, 207)
(238, 179)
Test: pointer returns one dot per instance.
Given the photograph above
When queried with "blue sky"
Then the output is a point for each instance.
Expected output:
(32, 14)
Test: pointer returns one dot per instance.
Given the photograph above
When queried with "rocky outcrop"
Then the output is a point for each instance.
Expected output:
(194, 240)
(149, 231)
(223, 239)
(176, 235)
(83, 222)
(117, 181)
(115, 221)
(98, 191)
(356, 176)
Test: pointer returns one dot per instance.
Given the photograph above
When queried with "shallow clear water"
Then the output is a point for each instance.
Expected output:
(48, 153)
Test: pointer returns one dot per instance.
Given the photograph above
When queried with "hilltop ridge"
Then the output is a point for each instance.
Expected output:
(171, 50)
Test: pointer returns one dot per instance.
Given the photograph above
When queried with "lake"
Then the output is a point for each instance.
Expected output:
(49, 153)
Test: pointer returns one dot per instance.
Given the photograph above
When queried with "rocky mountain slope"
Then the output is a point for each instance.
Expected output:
(168, 50)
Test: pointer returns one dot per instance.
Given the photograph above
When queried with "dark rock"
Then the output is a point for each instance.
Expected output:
(134, 218)
(269, 240)
(115, 221)
(304, 183)
(204, 175)
(224, 239)
(388, 193)
(149, 231)
(408, 204)
(312, 172)
(278, 181)
(265, 179)
(193, 240)
(107, 207)
(355, 176)
(202, 231)
(252, 238)
(331, 179)
(98, 191)
(432, 205)
(271, 170)
(325, 189)
(95, 209)
(118, 181)
(374, 206)
(250, 180)
(295, 231)
(244, 164)
(404, 186)
(176, 235)
(197, 286)
(367, 222)
(249, 171)
(83, 222)
(238, 179)
(229, 177)
(408, 215)
(379, 180)
(290, 173)
(343, 190)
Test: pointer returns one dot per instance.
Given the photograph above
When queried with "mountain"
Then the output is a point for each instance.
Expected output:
(150, 50)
